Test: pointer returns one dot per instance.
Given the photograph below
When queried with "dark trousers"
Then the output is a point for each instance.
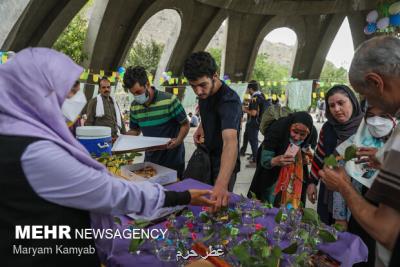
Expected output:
(252, 134)
(245, 141)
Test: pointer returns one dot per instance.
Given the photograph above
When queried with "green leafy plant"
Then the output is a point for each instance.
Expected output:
(331, 161)
(350, 153)
(310, 216)
(279, 216)
(326, 236)
(291, 249)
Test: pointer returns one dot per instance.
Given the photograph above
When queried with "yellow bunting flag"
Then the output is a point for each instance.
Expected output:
(322, 94)
(161, 80)
(4, 59)
(112, 79)
(101, 73)
(175, 91)
(262, 83)
(269, 83)
(95, 78)
(275, 83)
(274, 97)
(314, 95)
(283, 97)
(114, 74)
(171, 81)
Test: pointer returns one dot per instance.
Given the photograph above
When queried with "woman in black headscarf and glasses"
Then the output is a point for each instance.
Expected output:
(344, 115)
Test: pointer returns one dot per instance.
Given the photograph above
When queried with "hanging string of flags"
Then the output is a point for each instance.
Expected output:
(3, 57)
(167, 79)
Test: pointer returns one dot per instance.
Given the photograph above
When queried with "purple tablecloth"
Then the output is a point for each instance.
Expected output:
(348, 249)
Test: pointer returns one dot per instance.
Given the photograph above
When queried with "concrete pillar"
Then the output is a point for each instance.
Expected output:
(311, 53)
(10, 11)
(243, 30)
(357, 23)
(41, 23)
(167, 52)
(199, 24)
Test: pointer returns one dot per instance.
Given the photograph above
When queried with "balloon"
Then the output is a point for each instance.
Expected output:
(371, 27)
(372, 16)
(121, 70)
(383, 23)
(395, 20)
(394, 8)
(366, 31)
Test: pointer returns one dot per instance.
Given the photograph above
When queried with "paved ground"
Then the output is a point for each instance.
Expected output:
(245, 176)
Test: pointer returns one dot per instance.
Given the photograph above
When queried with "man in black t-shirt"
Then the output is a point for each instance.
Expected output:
(256, 108)
(220, 112)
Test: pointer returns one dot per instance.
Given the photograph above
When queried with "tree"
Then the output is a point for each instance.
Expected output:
(72, 39)
(330, 73)
(265, 70)
(146, 55)
(216, 54)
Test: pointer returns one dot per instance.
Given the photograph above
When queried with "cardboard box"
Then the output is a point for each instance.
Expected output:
(164, 175)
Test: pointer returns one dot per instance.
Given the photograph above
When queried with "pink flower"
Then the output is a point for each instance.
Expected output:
(194, 236)
(190, 225)
(258, 226)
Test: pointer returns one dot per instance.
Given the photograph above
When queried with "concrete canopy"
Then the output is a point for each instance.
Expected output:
(115, 24)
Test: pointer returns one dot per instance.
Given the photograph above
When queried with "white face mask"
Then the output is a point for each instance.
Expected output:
(379, 127)
(73, 106)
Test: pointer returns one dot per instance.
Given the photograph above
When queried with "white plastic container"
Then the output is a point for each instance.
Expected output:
(96, 139)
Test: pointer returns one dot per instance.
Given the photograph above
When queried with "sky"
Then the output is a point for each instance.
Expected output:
(340, 53)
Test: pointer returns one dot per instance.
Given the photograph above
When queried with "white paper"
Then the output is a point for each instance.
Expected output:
(137, 143)
(360, 172)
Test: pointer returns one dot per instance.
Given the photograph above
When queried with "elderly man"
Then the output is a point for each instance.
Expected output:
(375, 73)
(104, 111)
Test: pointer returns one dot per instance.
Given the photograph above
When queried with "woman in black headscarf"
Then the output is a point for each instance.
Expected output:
(296, 129)
(344, 115)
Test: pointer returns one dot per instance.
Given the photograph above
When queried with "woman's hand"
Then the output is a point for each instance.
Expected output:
(368, 155)
(282, 160)
(312, 193)
(198, 198)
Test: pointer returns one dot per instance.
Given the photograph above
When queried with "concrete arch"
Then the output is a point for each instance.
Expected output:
(285, 8)
(107, 20)
(196, 33)
(41, 23)
(319, 35)
(296, 24)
